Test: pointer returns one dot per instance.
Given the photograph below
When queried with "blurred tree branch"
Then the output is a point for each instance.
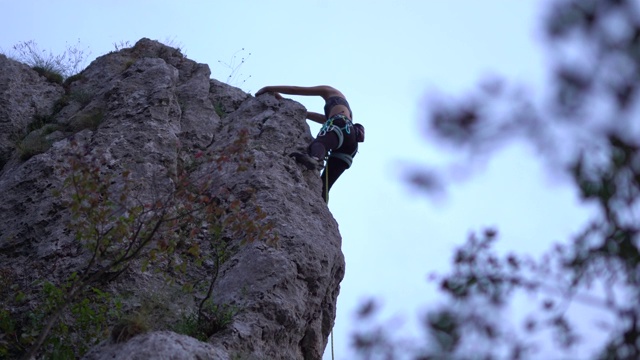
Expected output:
(587, 128)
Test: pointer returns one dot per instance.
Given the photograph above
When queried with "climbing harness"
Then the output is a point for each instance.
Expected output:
(328, 126)
(344, 157)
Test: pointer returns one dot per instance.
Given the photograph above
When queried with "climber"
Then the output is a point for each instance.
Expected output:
(337, 141)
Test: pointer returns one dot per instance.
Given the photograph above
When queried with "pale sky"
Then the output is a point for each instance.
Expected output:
(385, 56)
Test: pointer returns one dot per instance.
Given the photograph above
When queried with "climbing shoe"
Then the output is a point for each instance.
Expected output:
(309, 162)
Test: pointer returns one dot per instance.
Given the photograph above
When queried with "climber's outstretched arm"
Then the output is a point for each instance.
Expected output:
(319, 118)
(322, 90)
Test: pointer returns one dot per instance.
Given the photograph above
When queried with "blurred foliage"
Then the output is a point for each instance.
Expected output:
(587, 128)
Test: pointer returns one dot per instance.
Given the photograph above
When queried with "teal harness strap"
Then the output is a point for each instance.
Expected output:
(342, 156)
(328, 126)
(340, 135)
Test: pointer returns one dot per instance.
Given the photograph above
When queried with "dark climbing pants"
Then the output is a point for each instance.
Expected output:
(328, 142)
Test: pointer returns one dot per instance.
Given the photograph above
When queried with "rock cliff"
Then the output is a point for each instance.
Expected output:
(137, 118)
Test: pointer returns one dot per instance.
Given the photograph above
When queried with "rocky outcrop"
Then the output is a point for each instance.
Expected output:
(158, 345)
(141, 108)
(24, 96)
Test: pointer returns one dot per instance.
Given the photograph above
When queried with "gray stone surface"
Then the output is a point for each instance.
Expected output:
(160, 345)
(24, 94)
(151, 102)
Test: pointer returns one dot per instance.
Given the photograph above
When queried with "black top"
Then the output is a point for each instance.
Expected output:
(333, 101)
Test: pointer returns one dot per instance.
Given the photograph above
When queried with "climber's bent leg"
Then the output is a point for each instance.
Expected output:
(322, 144)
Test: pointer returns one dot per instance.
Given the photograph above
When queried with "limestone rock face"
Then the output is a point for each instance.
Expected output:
(24, 95)
(160, 345)
(138, 108)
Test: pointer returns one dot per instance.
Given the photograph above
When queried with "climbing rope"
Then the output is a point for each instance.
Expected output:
(333, 357)
(326, 196)
(326, 183)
